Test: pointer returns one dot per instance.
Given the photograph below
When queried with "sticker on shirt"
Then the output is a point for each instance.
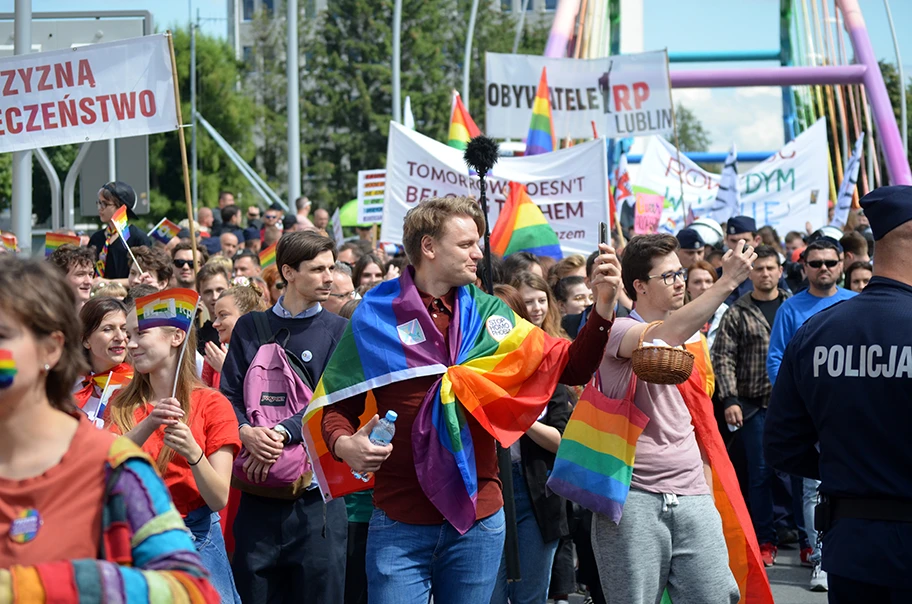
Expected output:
(306, 356)
(25, 525)
(411, 333)
(498, 327)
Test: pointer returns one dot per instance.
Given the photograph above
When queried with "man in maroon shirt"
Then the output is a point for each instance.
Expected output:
(412, 550)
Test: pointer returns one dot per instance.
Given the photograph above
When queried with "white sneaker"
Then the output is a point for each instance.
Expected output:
(818, 579)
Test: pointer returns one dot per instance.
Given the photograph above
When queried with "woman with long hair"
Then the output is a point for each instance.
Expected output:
(541, 517)
(540, 303)
(239, 299)
(104, 343)
(83, 514)
(193, 435)
(368, 270)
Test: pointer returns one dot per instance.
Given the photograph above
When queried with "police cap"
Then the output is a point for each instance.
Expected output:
(887, 208)
(690, 239)
(741, 224)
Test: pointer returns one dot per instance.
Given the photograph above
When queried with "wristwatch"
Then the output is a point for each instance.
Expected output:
(284, 432)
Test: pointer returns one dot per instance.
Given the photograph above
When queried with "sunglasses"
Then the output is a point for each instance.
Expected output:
(271, 217)
(182, 263)
(820, 263)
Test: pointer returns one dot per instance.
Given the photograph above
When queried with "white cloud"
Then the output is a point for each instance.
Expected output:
(751, 120)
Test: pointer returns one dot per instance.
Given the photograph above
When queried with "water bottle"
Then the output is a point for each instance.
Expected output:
(382, 434)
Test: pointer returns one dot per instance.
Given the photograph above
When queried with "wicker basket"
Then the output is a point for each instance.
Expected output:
(661, 364)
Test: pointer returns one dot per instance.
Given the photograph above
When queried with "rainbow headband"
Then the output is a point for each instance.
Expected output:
(7, 368)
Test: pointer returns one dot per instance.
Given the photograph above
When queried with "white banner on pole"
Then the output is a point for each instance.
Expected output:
(90, 93)
(626, 95)
(371, 189)
(570, 185)
(785, 191)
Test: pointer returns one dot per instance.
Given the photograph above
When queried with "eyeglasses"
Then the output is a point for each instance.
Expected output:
(105, 204)
(271, 216)
(182, 263)
(350, 294)
(669, 277)
(820, 263)
(583, 298)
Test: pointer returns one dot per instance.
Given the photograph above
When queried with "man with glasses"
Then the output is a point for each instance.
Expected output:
(182, 259)
(342, 288)
(113, 258)
(823, 269)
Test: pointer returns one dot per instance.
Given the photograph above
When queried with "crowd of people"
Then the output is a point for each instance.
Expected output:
(210, 494)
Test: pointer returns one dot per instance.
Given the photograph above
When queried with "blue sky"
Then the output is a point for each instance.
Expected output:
(751, 117)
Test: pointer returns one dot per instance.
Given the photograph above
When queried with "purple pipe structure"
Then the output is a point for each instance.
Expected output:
(890, 139)
(768, 76)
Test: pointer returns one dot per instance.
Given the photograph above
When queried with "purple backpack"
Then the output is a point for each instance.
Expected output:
(277, 386)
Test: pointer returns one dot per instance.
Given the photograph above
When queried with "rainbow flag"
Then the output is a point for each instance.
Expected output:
(521, 227)
(503, 373)
(164, 231)
(52, 241)
(7, 368)
(9, 242)
(541, 130)
(594, 462)
(119, 221)
(168, 308)
(267, 256)
(462, 126)
(120, 376)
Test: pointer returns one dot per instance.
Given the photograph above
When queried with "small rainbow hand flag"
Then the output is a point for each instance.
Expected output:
(7, 368)
(119, 221)
(9, 242)
(52, 241)
(462, 126)
(521, 227)
(594, 463)
(169, 308)
(267, 256)
(541, 130)
(164, 231)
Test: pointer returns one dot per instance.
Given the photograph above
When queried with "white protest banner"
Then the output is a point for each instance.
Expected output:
(626, 95)
(371, 187)
(570, 186)
(89, 93)
(785, 191)
(336, 221)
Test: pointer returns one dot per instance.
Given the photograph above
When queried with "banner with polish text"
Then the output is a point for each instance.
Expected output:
(785, 191)
(626, 95)
(570, 186)
(89, 93)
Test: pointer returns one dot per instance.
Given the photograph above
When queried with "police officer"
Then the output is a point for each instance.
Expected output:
(841, 410)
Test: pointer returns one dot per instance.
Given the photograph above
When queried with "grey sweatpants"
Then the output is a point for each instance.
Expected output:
(658, 545)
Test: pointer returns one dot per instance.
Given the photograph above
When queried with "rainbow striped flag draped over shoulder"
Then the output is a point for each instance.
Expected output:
(541, 129)
(521, 227)
(462, 126)
(498, 368)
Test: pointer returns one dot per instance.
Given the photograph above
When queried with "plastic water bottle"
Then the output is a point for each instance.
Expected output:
(381, 435)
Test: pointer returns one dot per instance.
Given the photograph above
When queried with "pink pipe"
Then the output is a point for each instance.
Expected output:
(768, 76)
(890, 139)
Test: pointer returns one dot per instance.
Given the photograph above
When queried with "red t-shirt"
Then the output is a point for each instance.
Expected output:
(213, 425)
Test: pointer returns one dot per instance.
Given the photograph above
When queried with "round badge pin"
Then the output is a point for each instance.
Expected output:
(25, 525)
(306, 356)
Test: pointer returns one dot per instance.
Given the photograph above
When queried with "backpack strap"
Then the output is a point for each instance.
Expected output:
(264, 336)
(261, 322)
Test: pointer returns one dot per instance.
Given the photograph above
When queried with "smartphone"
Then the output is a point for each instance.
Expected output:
(603, 233)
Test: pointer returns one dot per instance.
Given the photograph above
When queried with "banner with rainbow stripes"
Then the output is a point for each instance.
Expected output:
(52, 241)
(169, 308)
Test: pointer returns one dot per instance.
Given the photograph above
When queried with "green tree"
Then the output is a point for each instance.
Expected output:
(891, 79)
(692, 136)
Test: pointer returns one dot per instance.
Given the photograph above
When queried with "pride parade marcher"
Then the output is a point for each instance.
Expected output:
(838, 413)
(425, 344)
(104, 341)
(78, 265)
(684, 504)
(84, 516)
(190, 430)
(111, 247)
(238, 300)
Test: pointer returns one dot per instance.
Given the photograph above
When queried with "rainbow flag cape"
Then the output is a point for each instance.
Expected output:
(594, 462)
(119, 221)
(164, 231)
(541, 130)
(9, 242)
(7, 368)
(168, 308)
(52, 241)
(498, 368)
(120, 376)
(521, 227)
(267, 256)
(462, 126)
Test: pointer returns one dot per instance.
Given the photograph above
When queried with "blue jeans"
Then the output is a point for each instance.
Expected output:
(206, 533)
(760, 478)
(536, 557)
(809, 498)
(406, 563)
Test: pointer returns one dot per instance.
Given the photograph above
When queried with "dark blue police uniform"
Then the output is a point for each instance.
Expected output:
(846, 383)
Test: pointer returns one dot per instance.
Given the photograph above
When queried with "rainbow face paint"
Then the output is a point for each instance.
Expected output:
(7, 368)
